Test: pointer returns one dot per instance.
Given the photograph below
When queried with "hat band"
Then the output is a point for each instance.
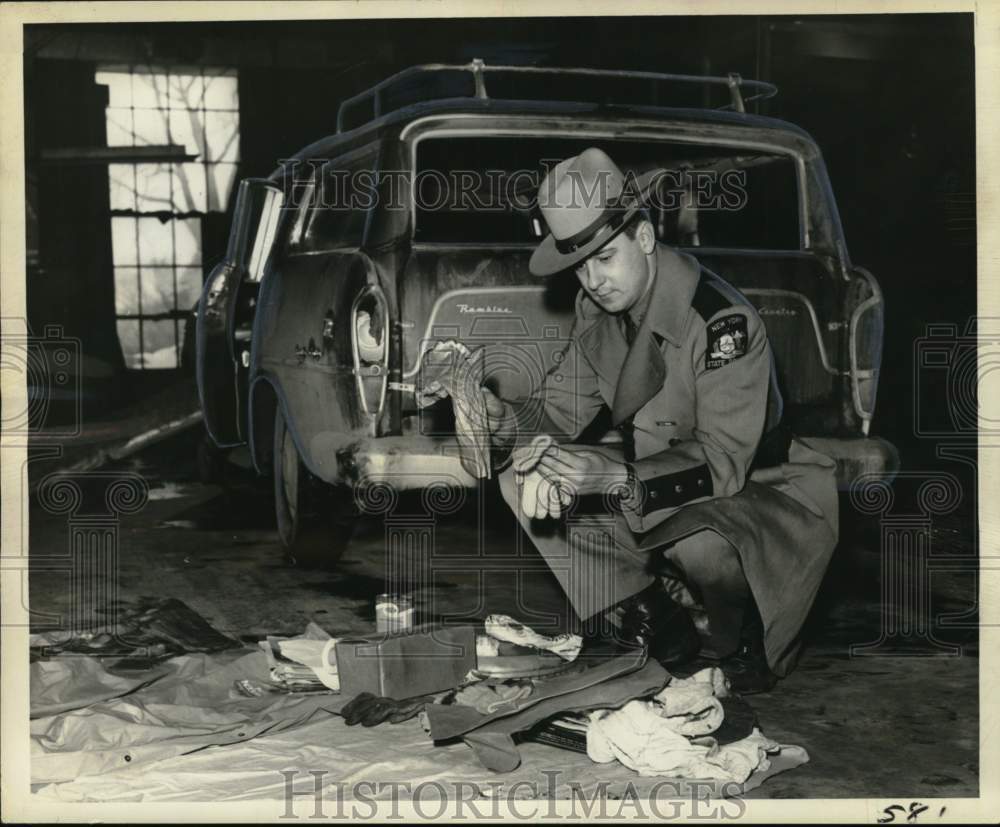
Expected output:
(612, 217)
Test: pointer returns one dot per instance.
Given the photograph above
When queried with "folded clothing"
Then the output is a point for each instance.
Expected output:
(487, 699)
(609, 684)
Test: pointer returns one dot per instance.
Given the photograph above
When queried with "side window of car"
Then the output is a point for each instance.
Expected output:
(345, 194)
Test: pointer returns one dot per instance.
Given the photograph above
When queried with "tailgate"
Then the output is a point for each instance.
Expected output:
(486, 298)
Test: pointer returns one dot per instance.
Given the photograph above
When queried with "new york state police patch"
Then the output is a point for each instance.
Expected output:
(727, 340)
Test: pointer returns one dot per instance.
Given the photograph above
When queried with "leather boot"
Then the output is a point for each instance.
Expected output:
(747, 668)
(653, 619)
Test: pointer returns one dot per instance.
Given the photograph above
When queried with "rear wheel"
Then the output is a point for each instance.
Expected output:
(315, 520)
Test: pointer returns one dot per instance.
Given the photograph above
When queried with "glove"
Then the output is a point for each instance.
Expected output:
(540, 496)
(371, 710)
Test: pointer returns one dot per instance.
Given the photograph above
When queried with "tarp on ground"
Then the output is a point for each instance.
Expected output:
(180, 732)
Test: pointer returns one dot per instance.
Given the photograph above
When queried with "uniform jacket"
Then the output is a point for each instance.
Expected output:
(698, 386)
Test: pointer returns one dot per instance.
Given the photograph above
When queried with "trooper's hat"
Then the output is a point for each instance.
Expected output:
(585, 203)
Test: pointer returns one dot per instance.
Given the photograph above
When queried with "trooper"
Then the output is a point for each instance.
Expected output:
(708, 530)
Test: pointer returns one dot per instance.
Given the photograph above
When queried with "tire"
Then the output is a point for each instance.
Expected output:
(315, 520)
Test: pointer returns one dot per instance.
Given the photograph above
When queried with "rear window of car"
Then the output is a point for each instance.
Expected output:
(482, 190)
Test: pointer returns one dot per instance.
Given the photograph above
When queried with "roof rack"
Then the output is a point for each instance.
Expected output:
(478, 69)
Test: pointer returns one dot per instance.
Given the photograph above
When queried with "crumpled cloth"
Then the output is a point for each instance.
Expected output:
(488, 699)
(639, 738)
(505, 628)
(691, 706)
(459, 371)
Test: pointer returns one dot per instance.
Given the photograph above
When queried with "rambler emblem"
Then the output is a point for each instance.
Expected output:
(486, 308)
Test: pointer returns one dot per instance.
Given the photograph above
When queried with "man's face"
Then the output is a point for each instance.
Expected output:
(616, 276)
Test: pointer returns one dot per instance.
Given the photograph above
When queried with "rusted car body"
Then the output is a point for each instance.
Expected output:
(317, 321)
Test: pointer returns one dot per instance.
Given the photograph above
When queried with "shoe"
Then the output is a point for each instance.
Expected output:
(652, 619)
(747, 669)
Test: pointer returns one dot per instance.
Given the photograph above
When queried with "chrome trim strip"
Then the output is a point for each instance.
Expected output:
(447, 297)
(768, 291)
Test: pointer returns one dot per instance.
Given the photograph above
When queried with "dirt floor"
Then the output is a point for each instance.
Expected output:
(899, 718)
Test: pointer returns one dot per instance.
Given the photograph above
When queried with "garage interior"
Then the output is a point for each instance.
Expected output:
(134, 138)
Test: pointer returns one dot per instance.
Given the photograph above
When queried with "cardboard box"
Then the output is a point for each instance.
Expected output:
(406, 665)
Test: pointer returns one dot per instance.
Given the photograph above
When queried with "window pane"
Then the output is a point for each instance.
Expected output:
(149, 91)
(119, 85)
(221, 179)
(118, 123)
(159, 340)
(128, 337)
(127, 291)
(767, 216)
(189, 187)
(150, 127)
(152, 183)
(156, 241)
(340, 221)
(123, 247)
(222, 133)
(187, 128)
(186, 91)
(157, 290)
(220, 92)
(188, 287)
(187, 240)
(121, 180)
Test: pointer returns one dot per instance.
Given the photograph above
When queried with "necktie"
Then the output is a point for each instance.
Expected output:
(627, 427)
(630, 329)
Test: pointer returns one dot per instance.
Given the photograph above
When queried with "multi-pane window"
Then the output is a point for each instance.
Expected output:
(156, 206)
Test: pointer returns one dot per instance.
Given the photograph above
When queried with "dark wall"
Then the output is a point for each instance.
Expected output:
(70, 280)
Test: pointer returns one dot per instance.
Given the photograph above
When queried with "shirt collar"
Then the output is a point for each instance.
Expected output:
(667, 302)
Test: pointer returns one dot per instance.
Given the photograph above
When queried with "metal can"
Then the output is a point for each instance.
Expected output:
(393, 613)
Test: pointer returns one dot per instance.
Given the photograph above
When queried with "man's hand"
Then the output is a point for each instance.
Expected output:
(550, 475)
(496, 408)
(582, 470)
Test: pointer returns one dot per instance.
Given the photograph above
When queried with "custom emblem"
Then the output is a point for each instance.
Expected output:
(727, 340)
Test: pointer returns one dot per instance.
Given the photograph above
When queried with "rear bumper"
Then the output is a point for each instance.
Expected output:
(408, 463)
(403, 462)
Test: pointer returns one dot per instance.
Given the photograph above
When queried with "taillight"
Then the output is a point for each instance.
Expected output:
(866, 332)
(370, 348)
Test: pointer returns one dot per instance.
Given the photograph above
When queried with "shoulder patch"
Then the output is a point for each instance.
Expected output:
(727, 340)
(707, 300)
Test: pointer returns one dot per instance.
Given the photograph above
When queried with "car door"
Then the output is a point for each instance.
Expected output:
(227, 307)
(322, 323)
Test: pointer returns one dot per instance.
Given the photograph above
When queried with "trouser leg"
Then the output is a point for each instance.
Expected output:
(712, 570)
(592, 552)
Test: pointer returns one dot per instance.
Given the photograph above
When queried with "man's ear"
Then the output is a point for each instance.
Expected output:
(647, 236)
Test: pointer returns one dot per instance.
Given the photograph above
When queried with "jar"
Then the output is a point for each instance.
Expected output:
(393, 613)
